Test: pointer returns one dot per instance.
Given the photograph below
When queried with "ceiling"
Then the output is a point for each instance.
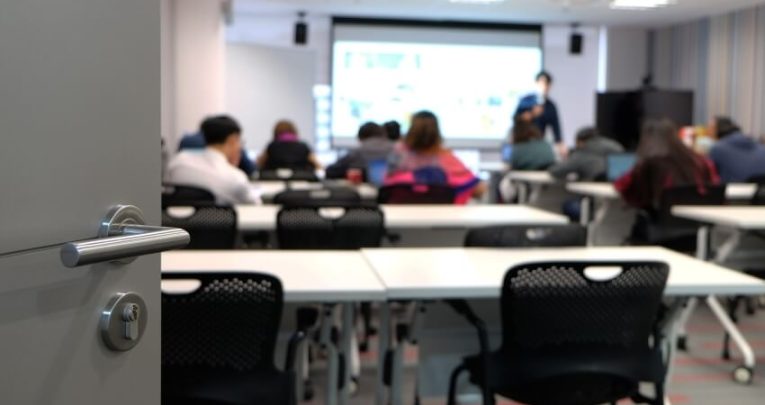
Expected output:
(533, 11)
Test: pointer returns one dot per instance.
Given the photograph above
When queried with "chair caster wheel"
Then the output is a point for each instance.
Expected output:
(682, 343)
(743, 375)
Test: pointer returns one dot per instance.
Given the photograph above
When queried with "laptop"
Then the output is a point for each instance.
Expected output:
(618, 164)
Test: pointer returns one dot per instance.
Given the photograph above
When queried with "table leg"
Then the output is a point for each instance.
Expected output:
(330, 396)
(347, 350)
(732, 329)
(702, 243)
(523, 192)
(382, 349)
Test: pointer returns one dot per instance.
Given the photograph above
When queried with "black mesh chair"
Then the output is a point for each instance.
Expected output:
(416, 194)
(209, 227)
(325, 197)
(664, 229)
(571, 338)
(329, 227)
(527, 236)
(178, 195)
(287, 175)
(759, 194)
(218, 342)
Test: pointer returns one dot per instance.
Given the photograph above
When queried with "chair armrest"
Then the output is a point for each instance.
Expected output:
(463, 308)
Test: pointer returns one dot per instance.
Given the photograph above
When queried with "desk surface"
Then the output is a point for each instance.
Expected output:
(478, 273)
(736, 191)
(741, 217)
(263, 217)
(307, 276)
(532, 177)
(269, 189)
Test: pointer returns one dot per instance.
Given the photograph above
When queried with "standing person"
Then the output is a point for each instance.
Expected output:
(214, 168)
(738, 157)
(544, 112)
(287, 151)
(421, 158)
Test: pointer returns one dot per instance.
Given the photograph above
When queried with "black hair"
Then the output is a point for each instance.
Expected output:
(545, 75)
(726, 126)
(371, 130)
(587, 133)
(393, 129)
(217, 129)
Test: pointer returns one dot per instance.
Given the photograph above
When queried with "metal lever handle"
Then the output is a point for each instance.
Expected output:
(121, 238)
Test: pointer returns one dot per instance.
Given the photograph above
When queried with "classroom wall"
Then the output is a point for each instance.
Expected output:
(721, 58)
(626, 58)
(193, 52)
(575, 76)
(579, 73)
(265, 84)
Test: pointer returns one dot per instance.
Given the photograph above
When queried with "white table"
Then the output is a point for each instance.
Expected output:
(430, 274)
(269, 189)
(602, 196)
(263, 217)
(529, 184)
(327, 277)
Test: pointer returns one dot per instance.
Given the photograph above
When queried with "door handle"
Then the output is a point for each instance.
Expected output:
(122, 237)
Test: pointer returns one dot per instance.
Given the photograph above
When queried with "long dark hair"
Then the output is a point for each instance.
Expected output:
(424, 133)
(524, 131)
(661, 153)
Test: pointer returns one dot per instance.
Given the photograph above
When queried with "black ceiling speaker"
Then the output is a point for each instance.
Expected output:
(301, 30)
(576, 43)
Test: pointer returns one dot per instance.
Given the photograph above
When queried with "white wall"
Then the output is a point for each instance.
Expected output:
(278, 31)
(627, 62)
(193, 55)
(266, 84)
(575, 76)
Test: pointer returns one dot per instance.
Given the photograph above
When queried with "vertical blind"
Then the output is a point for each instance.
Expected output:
(722, 59)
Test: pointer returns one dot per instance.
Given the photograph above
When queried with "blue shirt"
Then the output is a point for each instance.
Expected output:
(197, 141)
(738, 158)
(548, 118)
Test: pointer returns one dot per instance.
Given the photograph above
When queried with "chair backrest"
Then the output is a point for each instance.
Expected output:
(230, 322)
(329, 227)
(559, 303)
(759, 194)
(687, 195)
(324, 197)
(416, 194)
(287, 174)
(186, 196)
(209, 227)
(527, 236)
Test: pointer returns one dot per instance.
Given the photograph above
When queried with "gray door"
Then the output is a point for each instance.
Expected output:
(79, 133)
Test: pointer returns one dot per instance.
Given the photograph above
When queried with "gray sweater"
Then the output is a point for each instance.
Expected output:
(589, 161)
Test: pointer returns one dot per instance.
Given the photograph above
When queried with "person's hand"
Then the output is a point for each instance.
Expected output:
(537, 111)
(562, 150)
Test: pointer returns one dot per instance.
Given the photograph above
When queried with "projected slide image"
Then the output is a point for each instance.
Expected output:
(473, 89)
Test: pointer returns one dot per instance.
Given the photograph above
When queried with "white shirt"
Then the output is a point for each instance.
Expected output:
(209, 169)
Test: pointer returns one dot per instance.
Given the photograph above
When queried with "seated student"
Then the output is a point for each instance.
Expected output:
(737, 156)
(588, 161)
(393, 130)
(663, 161)
(530, 150)
(422, 159)
(214, 168)
(197, 141)
(286, 151)
(374, 145)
